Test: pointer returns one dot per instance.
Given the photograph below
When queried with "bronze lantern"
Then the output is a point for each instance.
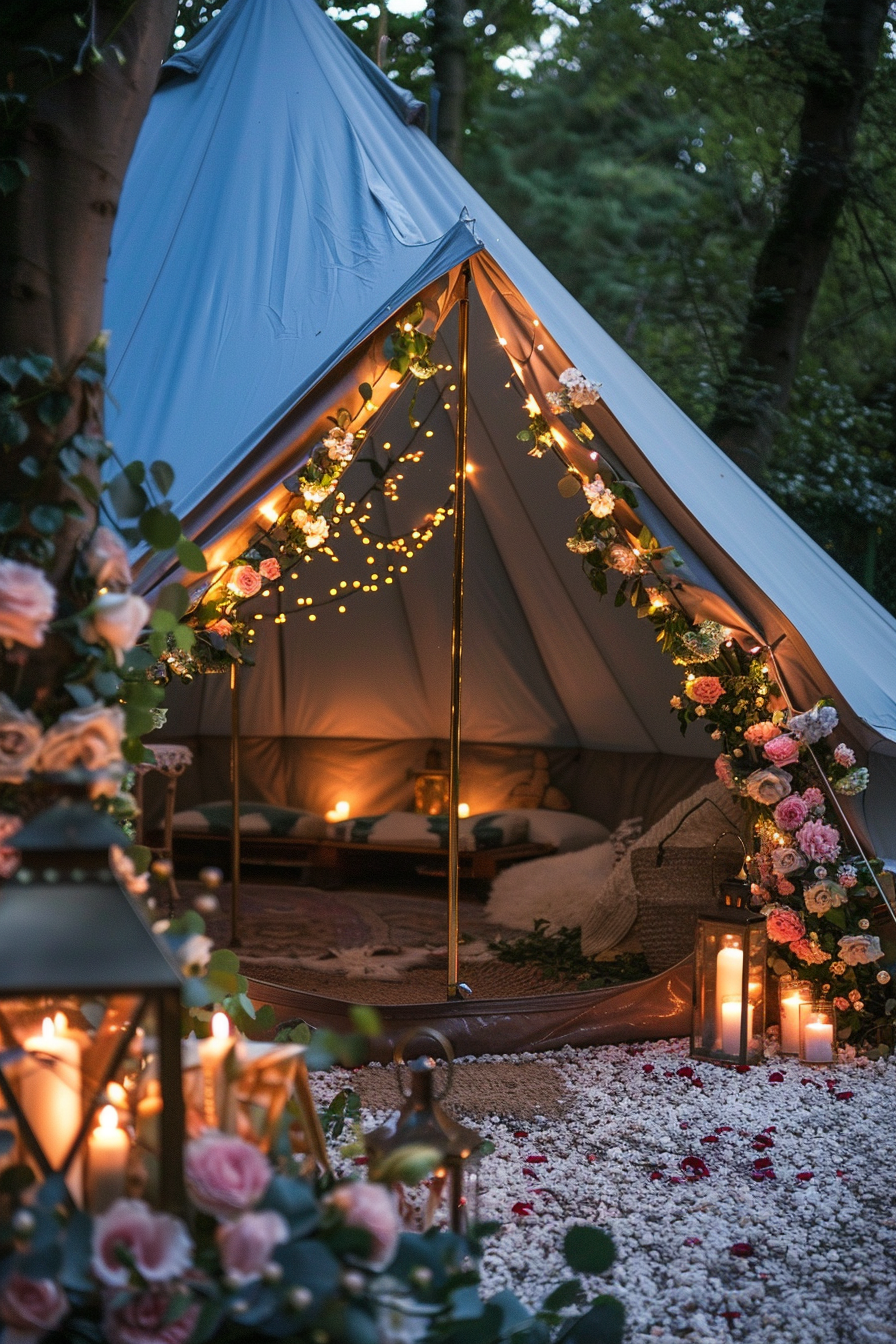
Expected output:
(423, 1122)
(90, 1070)
(728, 1025)
(431, 786)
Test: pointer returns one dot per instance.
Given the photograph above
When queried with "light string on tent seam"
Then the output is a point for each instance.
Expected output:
(420, 534)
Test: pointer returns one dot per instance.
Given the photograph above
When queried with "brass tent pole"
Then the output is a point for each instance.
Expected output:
(457, 625)
(235, 804)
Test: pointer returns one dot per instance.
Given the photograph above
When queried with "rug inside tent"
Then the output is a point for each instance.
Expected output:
(372, 944)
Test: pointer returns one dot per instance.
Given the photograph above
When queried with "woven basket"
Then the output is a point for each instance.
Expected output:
(675, 885)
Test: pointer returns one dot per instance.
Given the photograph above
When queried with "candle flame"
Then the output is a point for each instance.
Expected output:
(48, 1028)
(463, 809)
(116, 1094)
(220, 1026)
(108, 1118)
(60, 1023)
(531, 405)
(270, 512)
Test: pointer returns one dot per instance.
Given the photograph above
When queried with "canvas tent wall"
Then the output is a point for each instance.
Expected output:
(281, 208)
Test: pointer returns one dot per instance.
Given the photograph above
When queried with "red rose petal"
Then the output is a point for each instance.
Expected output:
(770, 1129)
(527, 1171)
(360, 1161)
(742, 1249)
(535, 1157)
(766, 1175)
(522, 1210)
(656, 1176)
(742, 1068)
(693, 1241)
(762, 1141)
(686, 1072)
(710, 1138)
(648, 1068)
(694, 1167)
(805, 1175)
(761, 1163)
(776, 1077)
(730, 1316)
(844, 1096)
(592, 1157)
(521, 1133)
(685, 1124)
(724, 1129)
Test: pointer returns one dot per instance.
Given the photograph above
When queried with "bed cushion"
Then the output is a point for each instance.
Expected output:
(489, 830)
(565, 830)
(255, 819)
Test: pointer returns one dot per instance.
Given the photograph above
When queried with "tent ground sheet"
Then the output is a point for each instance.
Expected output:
(371, 945)
(754, 1206)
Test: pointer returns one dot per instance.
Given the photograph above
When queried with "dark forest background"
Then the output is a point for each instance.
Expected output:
(717, 186)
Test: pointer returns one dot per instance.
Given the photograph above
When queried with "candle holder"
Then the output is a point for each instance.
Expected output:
(818, 1032)
(431, 786)
(792, 993)
(728, 1025)
(89, 1021)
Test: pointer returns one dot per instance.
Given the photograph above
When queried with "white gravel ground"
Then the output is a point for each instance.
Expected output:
(781, 1231)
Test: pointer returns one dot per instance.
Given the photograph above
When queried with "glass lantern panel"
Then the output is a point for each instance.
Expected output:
(729, 978)
(431, 794)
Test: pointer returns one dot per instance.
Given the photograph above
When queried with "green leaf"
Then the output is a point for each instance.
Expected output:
(157, 642)
(836, 917)
(191, 556)
(163, 475)
(223, 959)
(30, 466)
(135, 472)
(10, 515)
(46, 518)
(13, 429)
(410, 1164)
(563, 1296)
(524, 435)
(163, 620)
(173, 598)
(366, 391)
(107, 684)
(604, 1323)
(184, 637)
(160, 528)
(128, 500)
(38, 367)
(365, 1020)
(10, 372)
(588, 1250)
(86, 487)
(53, 408)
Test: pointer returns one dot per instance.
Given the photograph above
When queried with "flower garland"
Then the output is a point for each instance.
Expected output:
(817, 895)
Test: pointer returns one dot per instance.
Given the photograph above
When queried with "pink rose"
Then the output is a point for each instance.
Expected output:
(813, 798)
(841, 1004)
(158, 1243)
(225, 1175)
(705, 690)
(371, 1207)
(759, 733)
(20, 735)
(115, 619)
(809, 952)
(245, 581)
(818, 841)
(790, 813)
(844, 755)
(724, 772)
(785, 888)
(245, 1246)
(782, 750)
(27, 604)
(9, 857)
(107, 560)
(89, 737)
(221, 627)
(270, 568)
(31, 1308)
(145, 1318)
(787, 860)
(768, 785)
(784, 925)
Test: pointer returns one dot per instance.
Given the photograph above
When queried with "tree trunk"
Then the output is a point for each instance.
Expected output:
(791, 265)
(77, 141)
(449, 58)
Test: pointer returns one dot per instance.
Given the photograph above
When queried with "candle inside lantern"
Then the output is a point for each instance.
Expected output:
(463, 809)
(212, 1053)
(51, 1095)
(338, 813)
(107, 1160)
(731, 1021)
(818, 1038)
(729, 979)
(790, 1024)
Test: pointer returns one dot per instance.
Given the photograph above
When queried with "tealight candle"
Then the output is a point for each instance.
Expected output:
(50, 1095)
(107, 1159)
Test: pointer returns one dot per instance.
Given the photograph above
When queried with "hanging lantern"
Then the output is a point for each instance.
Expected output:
(728, 1025)
(431, 787)
(89, 1021)
(423, 1122)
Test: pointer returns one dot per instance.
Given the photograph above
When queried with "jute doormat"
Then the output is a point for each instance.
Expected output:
(517, 1091)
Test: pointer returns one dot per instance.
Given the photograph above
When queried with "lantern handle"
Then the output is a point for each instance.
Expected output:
(660, 854)
(414, 1034)
(721, 836)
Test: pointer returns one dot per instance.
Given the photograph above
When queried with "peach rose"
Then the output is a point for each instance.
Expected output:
(784, 925)
(246, 1246)
(225, 1174)
(27, 604)
(270, 568)
(31, 1308)
(245, 581)
(90, 738)
(115, 619)
(19, 741)
(759, 733)
(220, 627)
(371, 1207)
(158, 1244)
(107, 560)
(9, 856)
(705, 690)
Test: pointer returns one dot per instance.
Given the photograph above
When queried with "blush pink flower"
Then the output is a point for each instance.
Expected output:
(784, 925)
(813, 798)
(844, 755)
(809, 952)
(787, 860)
(145, 1318)
(225, 1174)
(9, 857)
(818, 841)
(220, 627)
(759, 733)
(107, 560)
(785, 887)
(246, 1245)
(783, 750)
(790, 813)
(768, 785)
(159, 1244)
(27, 604)
(245, 581)
(841, 1004)
(31, 1308)
(373, 1208)
(705, 690)
(270, 568)
(724, 772)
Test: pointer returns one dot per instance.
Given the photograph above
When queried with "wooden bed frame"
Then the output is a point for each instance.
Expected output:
(329, 861)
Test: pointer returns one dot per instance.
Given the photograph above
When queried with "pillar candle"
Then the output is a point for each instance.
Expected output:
(790, 1024)
(731, 1019)
(107, 1159)
(729, 981)
(50, 1096)
(212, 1053)
(818, 1039)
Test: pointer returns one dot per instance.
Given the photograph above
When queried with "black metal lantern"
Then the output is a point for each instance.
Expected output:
(423, 1122)
(731, 948)
(90, 1070)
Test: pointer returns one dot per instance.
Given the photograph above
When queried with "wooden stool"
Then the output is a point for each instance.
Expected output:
(171, 761)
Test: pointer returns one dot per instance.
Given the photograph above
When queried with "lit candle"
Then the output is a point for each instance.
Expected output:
(818, 1040)
(790, 1024)
(463, 809)
(51, 1095)
(339, 812)
(729, 979)
(731, 1020)
(212, 1053)
(149, 1108)
(107, 1159)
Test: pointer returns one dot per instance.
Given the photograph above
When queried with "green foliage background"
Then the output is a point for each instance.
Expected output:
(640, 150)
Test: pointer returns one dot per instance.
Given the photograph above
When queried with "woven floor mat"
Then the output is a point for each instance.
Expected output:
(521, 1091)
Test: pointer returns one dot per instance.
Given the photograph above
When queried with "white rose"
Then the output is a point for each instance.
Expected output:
(316, 492)
(116, 619)
(19, 741)
(107, 560)
(90, 738)
(857, 949)
(195, 953)
(316, 531)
